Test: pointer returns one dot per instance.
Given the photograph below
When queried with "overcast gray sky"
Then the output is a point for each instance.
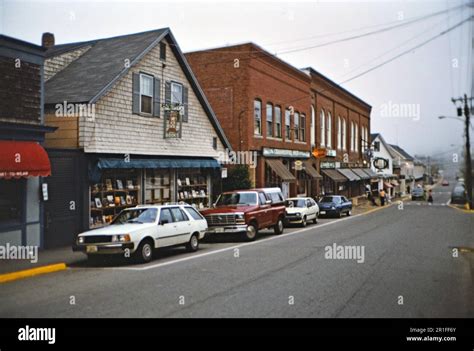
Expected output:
(424, 80)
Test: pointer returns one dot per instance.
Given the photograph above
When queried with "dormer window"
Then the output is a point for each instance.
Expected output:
(146, 93)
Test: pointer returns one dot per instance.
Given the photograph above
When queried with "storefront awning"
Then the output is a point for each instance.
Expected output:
(396, 183)
(310, 170)
(360, 173)
(349, 174)
(149, 163)
(334, 175)
(388, 185)
(22, 159)
(370, 172)
(279, 168)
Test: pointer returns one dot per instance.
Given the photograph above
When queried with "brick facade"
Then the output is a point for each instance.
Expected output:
(233, 78)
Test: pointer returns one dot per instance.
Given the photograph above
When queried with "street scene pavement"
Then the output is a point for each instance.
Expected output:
(408, 270)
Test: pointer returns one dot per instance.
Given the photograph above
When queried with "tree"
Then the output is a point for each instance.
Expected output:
(237, 178)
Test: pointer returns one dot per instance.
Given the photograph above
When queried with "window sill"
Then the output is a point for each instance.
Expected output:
(274, 138)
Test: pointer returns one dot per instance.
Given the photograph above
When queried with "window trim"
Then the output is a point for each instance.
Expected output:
(296, 125)
(255, 118)
(270, 131)
(329, 130)
(303, 127)
(142, 74)
(322, 128)
(278, 133)
(171, 91)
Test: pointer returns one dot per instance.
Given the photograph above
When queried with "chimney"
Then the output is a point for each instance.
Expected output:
(47, 40)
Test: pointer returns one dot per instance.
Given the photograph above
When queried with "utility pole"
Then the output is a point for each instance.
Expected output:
(467, 124)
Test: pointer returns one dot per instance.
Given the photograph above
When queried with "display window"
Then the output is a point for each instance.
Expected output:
(118, 189)
(193, 187)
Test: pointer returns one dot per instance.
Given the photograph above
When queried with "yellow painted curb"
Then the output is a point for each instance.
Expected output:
(461, 209)
(8, 277)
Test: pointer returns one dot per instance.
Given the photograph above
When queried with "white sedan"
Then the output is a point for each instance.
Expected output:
(300, 210)
(139, 230)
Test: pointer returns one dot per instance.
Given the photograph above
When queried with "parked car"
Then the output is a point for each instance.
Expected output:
(418, 193)
(142, 229)
(458, 195)
(247, 212)
(445, 182)
(335, 205)
(300, 210)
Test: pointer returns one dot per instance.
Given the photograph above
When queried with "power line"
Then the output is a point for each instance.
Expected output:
(394, 48)
(370, 33)
(409, 50)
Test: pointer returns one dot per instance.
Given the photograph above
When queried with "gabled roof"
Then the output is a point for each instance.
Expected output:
(85, 78)
(94, 73)
(402, 152)
(374, 136)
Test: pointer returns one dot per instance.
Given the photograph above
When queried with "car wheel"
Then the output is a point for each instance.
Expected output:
(144, 252)
(251, 232)
(303, 222)
(315, 220)
(193, 244)
(278, 228)
(349, 213)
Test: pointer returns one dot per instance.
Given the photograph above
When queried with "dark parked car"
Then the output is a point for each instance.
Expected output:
(458, 196)
(335, 205)
(418, 194)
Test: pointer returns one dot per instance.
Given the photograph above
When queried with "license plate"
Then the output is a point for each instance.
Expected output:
(90, 249)
(219, 230)
(322, 212)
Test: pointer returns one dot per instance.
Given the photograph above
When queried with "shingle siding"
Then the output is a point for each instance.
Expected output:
(116, 130)
(56, 64)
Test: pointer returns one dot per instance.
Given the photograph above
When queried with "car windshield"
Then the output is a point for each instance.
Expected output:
(237, 199)
(139, 215)
(295, 203)
(329, 199)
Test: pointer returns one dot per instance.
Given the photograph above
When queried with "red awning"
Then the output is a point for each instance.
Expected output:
(22, 159)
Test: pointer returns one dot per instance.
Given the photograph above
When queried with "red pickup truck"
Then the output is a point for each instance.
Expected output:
(246, 212)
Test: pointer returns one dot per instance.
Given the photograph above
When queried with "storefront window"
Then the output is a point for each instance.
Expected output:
(193, 188)
(11, 200)
(118, 189)
(158, 186)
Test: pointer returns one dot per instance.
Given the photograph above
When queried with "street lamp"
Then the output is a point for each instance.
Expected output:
(456, 118)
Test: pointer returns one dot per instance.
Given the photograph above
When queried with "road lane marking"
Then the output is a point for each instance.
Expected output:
(8, 277)
(275, 237)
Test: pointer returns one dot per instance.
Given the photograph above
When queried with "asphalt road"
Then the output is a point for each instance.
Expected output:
(408, 271)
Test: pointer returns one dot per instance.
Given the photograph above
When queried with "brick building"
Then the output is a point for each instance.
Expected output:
(263, 105)
(341, 129)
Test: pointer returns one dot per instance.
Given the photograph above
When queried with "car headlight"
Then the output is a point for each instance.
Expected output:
(240, 218)
(124, 238)
(80, 240)
(298, 214)
(333, 207)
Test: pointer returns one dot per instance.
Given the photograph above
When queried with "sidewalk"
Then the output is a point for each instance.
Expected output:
(63, 255)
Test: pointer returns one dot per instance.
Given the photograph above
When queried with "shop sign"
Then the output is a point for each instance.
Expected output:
(298, 165)
(319, 153)
(173, 124)
(380, 163)
(327, 165)
(331, 153)
(269, 152)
